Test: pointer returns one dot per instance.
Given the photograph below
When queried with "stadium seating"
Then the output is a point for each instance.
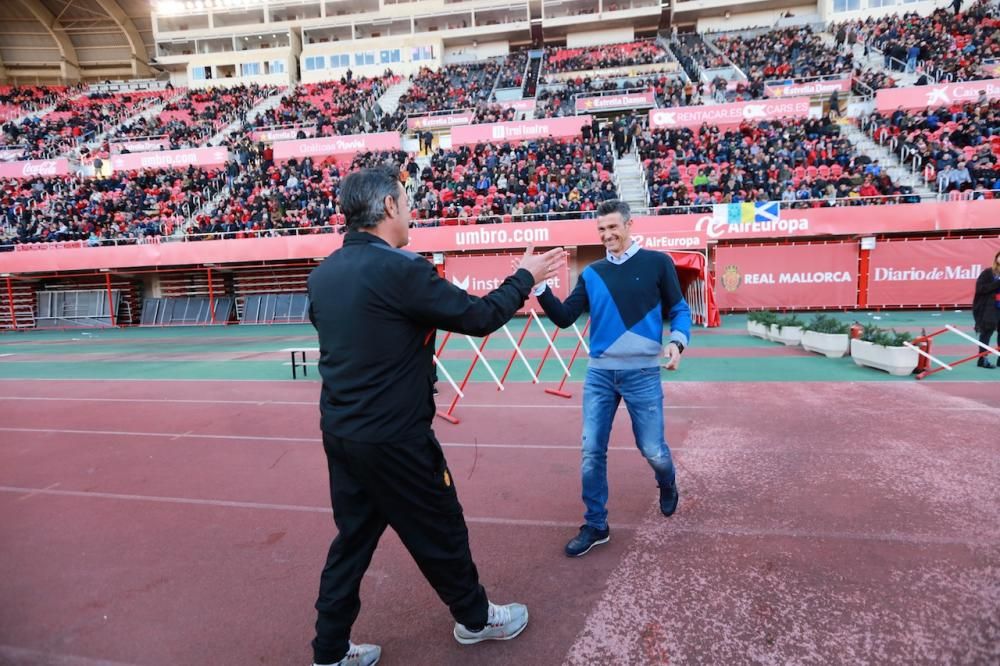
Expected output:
(629, 54)
(950, 47)
(122, 209)
(800, 163)
(958, 146)
(803, 164)
(344, 106)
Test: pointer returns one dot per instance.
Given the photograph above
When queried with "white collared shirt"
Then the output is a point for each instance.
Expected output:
(626, 255)
(618, 261)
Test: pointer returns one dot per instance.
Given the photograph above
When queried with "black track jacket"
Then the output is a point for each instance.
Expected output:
(377, 309)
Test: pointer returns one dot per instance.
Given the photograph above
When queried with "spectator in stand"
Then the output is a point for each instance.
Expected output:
(952, 46)
(604, 57)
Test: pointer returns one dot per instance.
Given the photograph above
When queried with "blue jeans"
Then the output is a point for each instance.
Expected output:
(603, 390)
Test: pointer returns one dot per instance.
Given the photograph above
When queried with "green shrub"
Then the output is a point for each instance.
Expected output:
(790, 320)
(764, 317)
(884, 337)
(827, 324)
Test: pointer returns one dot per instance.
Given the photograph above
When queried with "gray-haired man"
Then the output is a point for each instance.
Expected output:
(376, 309)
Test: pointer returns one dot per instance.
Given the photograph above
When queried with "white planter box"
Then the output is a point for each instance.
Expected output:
(831, 345)
(894, 360)
(757, 330)
(787, 335)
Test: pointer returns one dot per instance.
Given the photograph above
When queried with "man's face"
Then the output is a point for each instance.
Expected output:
(398, 214)
(614, 233)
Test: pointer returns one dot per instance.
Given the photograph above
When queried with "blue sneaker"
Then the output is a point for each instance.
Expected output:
(587, 539)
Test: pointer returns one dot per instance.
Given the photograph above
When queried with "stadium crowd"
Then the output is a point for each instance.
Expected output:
(800, 163)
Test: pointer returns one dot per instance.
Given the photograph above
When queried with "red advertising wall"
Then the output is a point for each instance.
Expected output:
(888, 100)
(787, 276)
(928, 272)
(666, 232)
(481, 274)
(730, 114)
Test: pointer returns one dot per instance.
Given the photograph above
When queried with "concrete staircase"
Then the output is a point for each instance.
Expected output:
(147, 113)
(265, 105)
(874, 61)
(900, 173)
(628, 177)
(389, 101)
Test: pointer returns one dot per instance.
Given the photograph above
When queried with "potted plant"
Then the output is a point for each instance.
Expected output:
(759, 323)
(884, 350)
(825, 335)
(787, 330)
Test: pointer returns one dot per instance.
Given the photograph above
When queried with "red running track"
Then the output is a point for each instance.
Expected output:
(186, 523)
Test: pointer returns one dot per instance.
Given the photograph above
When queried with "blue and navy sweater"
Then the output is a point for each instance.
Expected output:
(627, 301)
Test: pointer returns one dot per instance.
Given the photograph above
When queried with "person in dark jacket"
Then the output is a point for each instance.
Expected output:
(986, 307)
(376, 309)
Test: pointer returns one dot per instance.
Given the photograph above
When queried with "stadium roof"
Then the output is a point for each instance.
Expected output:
(48, 41)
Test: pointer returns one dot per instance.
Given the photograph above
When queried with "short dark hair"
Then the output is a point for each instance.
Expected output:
(615, 206)
(363, 193)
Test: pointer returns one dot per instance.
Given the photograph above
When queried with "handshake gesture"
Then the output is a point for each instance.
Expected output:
(542, 266)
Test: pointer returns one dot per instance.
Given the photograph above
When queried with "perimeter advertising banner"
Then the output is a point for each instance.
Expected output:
(810, 88)
(543, 128)
(888, 100)
(336, 145)
(170, 159)
(667, 232)
(481, 274)
(33, 168)
(138, 146)
(928, 272)
(282, 134)
(444, 120)
(729, 114)
(607, 102)
(787, 276)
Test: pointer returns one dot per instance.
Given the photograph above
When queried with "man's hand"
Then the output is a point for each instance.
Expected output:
(542, 266)
(673, 353)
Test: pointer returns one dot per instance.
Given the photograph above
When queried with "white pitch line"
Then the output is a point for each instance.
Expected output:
(988, 539)
(169, 435)
(267, 506)
(10, 654)
(304, 403)
(283, 440)
(465, 405)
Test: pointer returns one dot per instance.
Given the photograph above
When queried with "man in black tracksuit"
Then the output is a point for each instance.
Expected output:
(986, 307)
(376, 309)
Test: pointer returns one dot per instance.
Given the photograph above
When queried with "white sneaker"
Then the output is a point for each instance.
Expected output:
(502, 624)
(359, 655)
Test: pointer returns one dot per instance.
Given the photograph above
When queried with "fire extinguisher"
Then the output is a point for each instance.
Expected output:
(923, 343)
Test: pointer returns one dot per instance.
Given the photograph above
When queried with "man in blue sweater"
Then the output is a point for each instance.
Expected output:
(627, 295)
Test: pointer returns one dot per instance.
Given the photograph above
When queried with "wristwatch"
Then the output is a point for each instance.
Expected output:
(680, 347)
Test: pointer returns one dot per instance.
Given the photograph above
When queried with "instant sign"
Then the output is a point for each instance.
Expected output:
(481, 274)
